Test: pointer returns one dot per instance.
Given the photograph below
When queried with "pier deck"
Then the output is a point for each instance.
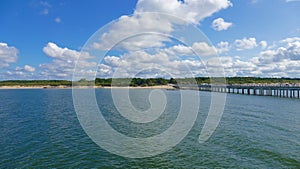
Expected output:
(260, 90)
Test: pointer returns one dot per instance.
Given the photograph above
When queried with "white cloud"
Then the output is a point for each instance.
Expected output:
(281, 61)
(63, 63)
(192, 10)
(245, 44)
(8, 55)
(263, 44)
(66, 54)
(290, 40)
(171, 60)
(29, 68)
(203, 49)
(145, 64)
(219, 24)
(225, 62)
(132, 26)
(223, 47)
(195, 51)
(54, 51)
(180, 50)
(290, 51)
(19, 73)
(57, 20)
(26, 68)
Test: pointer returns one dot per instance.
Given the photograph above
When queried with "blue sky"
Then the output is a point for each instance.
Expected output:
(42, 39)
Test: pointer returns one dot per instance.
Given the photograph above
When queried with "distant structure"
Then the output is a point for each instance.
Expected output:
(287, 91)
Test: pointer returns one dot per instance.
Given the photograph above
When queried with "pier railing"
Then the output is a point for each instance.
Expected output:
(288, 91)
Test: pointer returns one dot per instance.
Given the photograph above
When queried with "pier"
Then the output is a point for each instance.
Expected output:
(285, 91)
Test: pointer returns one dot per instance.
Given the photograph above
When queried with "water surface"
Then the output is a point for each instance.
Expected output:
(39, 128)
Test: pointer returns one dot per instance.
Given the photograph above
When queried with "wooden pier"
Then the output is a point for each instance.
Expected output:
(285, 91)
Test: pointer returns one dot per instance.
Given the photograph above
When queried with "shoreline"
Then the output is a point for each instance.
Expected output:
(85, 87)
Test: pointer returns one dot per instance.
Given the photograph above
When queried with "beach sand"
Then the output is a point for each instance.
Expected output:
(105, 87)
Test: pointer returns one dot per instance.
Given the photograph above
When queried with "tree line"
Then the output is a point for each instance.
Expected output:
(148, 81)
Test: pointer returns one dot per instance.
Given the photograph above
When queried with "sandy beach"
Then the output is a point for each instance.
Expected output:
(33, 87)
(70, 87)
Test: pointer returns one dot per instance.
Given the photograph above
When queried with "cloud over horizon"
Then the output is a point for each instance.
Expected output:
(149, 45)
(8, 55)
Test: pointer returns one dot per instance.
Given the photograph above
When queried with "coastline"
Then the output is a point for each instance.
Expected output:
(84, 87)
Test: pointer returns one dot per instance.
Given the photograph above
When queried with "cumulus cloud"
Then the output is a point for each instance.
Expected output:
(197, 49)
(63, 63)
(54, 51)
(191, 10)
(203, 49)
(29, 68)
(290, 40)
(164, 58)
(140, 33)
(178, 60)
(143, 64)
(263, 44)
(26, 68)
(180, 50)
(219, 24)
(8, 55)
(132, 26)
(223, 47)
(245, 44)
(290, 51)
(19, 73)
(283, 60)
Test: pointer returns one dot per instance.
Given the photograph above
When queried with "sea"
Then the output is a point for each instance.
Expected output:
(39, 128)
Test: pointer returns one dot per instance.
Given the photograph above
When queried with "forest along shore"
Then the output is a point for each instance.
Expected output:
(145, 83)
(70, 87)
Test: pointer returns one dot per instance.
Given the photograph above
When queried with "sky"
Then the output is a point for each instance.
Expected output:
(149, 38)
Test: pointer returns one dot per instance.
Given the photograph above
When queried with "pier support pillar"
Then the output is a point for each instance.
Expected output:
(285, 93)
(261, 92)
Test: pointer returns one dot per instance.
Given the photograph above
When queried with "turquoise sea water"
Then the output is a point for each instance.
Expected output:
(39, 128)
